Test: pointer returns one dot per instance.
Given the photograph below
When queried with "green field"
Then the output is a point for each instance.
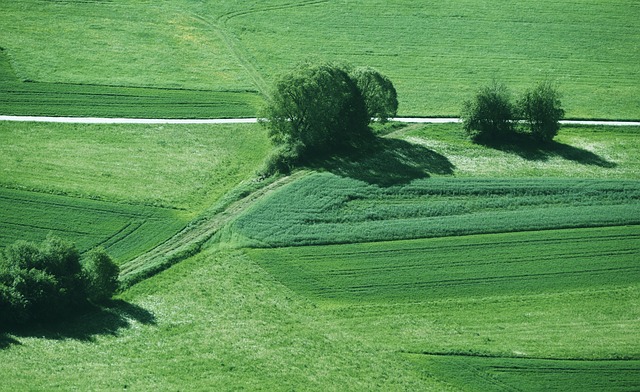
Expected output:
(543, 310)
(217, 57)
(185, 167)
(423, 262)
(124, 230)
(324, 208)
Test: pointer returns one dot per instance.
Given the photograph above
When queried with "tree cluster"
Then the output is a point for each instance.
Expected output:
(50, 281)
(491, 116)
(322, 108)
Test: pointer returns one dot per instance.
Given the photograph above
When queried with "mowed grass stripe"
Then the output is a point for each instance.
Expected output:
(485, 267)
(523, 374)
(124, 230)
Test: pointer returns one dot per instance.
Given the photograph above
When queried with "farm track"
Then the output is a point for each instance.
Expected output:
(252, 120)
(190, 240)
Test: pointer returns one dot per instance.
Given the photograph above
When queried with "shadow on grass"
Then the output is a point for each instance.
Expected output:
(106, 320)
(533, 150)
(387, 162)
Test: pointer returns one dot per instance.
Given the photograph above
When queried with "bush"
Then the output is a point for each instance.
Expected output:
(101, 275)
(541, 110)
(489, 116)
(380, 96)
(48, 282)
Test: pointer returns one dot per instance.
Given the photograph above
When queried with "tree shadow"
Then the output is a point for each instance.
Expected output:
(386, 162)
(108, 319)
(533, 150)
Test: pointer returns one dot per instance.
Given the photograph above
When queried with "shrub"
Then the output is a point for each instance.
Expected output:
(101, 275)
(380, 96)
(541, 110)
(489, 116)
(48, 282)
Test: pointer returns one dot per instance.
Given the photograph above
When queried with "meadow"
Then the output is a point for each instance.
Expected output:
(424, 262)
(183, 167)
(195, 53)
(324, 208)
(544, 310)
(550, 309)
(124, 230)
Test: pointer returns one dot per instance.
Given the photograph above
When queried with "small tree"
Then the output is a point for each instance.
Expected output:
(542, 111)
(380, 96)
(315, 109)
(489, 115)
(101, 275)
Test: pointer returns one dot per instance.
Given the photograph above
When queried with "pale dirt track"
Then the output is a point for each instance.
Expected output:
(102, 120)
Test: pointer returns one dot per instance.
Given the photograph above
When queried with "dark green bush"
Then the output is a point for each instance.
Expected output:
(489, 116)
(48, 282)
(101, 275)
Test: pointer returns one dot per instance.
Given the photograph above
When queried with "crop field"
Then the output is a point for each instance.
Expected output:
(123, 230)
(213, 59)
(486, 374)
(88, 100)
(324, 208)
(552, 310)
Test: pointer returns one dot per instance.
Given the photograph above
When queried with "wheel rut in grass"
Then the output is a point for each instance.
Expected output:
(191, 240)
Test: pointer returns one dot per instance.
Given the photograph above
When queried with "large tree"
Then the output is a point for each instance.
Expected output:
(316, 109)
(542, 111)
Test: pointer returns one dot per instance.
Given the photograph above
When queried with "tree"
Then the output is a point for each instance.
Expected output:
(380, 96)
(542, 111)
(316, 109)
(101, 275)
(489, 115)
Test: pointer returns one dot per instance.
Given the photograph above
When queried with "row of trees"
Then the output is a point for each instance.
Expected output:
(491, 116)
(321, 108)
(51, 281)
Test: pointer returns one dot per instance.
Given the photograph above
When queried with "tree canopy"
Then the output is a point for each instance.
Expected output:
(324, 108)
(50, 281)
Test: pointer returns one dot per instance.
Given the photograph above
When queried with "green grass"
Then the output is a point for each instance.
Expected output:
(436, 53)
(324, 208)
(577, 151)
(123, 230)
(186, 167)
(91, 100)
(546, 310)
(213, 322)
(486, 374)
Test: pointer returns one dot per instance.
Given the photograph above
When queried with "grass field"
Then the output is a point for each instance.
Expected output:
(124, 230)
(208, 55)
(425, 262)
(325, 208)
(185, 167)
(549, 310)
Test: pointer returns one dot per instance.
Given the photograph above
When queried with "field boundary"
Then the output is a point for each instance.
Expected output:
(252, 120)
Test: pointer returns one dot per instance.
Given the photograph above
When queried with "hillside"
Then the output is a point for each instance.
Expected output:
(554, 309)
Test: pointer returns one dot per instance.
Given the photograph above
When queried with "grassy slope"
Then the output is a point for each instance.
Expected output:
(253, 332)
(436, 53)
(214, 322)
(125, 187)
